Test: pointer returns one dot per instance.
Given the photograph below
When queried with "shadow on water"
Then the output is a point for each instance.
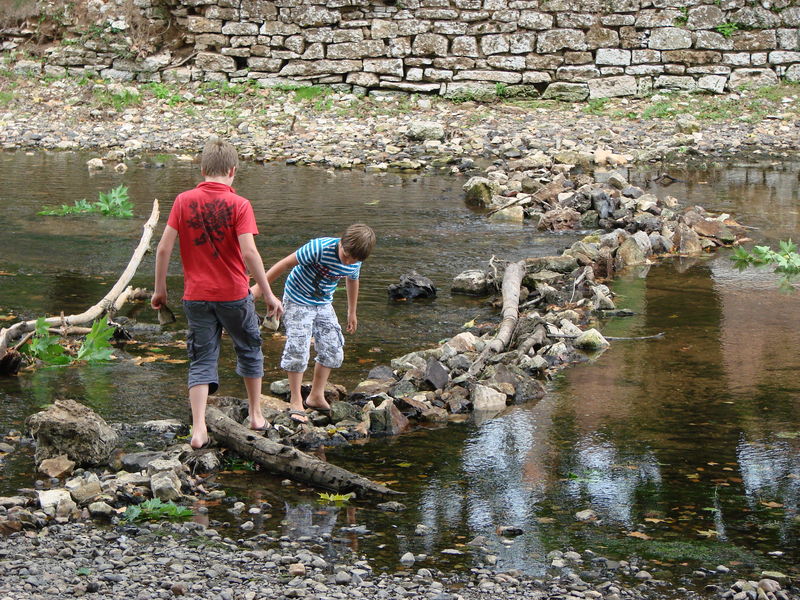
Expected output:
(685, 448)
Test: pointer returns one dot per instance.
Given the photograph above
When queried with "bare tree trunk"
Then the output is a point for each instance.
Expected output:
(512, 280)
(111, 301)
(287, 461)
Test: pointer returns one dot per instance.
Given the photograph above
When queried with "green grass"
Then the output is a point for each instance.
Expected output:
(6, 98)
(727, 29)
(596, 106)
(164, 92)
(119, 100)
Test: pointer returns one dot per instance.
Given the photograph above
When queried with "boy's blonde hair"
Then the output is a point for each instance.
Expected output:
(219, 157)
(358, 241)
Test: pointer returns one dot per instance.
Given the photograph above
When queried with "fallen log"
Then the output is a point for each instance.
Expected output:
(110, 303)
(512, 280)
(287, 461)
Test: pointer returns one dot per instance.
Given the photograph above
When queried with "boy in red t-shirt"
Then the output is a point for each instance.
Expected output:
(215, 229)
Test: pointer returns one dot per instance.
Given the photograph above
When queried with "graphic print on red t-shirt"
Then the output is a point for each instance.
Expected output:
(213, 218)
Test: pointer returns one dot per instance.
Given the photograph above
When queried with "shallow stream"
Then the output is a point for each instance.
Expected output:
(686, 447)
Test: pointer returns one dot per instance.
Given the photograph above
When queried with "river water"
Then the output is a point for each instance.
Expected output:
(686, 448)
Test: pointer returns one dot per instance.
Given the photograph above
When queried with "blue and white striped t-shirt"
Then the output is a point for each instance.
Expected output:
(318, 272)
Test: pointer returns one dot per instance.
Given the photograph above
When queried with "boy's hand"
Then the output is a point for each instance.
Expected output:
(274, 306)
(352, 323)
(158, 299)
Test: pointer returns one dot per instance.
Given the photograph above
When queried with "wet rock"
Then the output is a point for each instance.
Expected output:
(391, 506)
(586, 515)
(471, 283)
(58, 467)
(100, 510)
(138, 461)
(478, 191)
(49, 499)
(72, 429)
(485, 398)
(436, 374)
(380, 372)
(412, 286)
(165, 485)
(84, 488)
(386, 419)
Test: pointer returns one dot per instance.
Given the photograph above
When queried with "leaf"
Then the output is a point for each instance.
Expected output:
(640, 535)
(469, 324)
(708, 532)
(404, 464)
(97, 346)
(772, 504)
(654, 520)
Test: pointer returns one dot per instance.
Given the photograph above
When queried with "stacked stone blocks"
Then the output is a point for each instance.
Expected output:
(561, 49)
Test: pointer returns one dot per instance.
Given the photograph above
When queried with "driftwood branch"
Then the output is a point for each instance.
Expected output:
(109, 303)
(512, 280)
(287, 461)
(613, 339)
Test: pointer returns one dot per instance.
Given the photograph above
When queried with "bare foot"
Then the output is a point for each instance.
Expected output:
(199, 441)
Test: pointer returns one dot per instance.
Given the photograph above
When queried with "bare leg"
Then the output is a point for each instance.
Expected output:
(253, 385)
(316, 398)
(296, 396)
(198, 397)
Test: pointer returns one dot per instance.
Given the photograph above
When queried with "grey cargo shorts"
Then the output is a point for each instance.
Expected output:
(302, 321)
(206, 320)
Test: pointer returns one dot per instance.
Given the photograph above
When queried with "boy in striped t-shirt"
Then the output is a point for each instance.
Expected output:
(316, 269)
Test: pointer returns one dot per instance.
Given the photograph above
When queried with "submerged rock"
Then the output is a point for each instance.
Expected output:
(412, 286)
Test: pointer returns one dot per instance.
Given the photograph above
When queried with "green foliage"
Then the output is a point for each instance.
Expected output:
(113, 203)
(785, 261)
(501, 90)
(164, 92)
(337, 499)
(120, 100)
(660, 110)
(46, 348)
(681, 20)
(727, 29)
(156, 510)
(6, 98)
(596, 106)
(97, 345)
(83, 571)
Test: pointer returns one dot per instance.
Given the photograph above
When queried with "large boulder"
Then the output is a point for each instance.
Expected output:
(70, 428)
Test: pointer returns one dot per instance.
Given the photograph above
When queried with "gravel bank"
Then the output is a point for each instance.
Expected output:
(190, 560)
(342, 130)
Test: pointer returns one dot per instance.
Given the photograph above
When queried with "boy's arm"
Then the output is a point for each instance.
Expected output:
(254, 264)
(352, 286)
(163, 253)
(277, 270)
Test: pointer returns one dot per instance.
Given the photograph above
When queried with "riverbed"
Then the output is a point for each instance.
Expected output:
(685, 446)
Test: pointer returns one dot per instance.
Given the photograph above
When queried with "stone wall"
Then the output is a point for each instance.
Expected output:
(564, 49)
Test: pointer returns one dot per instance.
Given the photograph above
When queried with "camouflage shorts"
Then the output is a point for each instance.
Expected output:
(302, 322)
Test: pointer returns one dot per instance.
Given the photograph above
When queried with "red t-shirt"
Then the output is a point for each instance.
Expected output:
(209, 220)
